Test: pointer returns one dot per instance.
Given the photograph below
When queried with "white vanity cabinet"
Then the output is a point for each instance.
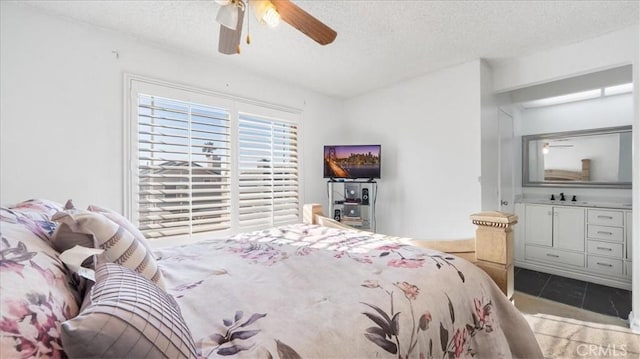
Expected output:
(554, 234)
(568, 228)
(605, 241)
(585, 243)
(518, 232)
(629, 247)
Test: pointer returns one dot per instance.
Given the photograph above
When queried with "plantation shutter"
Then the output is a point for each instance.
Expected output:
(184, 160)
(267, 171)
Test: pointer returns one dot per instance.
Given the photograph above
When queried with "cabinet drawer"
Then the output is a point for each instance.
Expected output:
(554, 256)
(602, 232)
(605, 249)
(627, 265)
(605, 265)
(604, 218)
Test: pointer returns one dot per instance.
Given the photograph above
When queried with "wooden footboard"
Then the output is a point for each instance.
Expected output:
(491, 249)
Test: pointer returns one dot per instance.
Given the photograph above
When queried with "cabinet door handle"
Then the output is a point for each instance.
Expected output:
(607, 217)
(604, 248)
(553, 255)
(607, 233)
(604, 264)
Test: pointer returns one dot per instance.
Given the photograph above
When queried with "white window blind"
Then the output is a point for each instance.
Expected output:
(202, 164)
(184, 160)
(267, 171)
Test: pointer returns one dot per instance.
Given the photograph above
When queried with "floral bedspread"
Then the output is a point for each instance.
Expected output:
(304, 291)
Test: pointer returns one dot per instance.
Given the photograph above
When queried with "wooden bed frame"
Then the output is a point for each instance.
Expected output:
(564, 175)
(491, 249)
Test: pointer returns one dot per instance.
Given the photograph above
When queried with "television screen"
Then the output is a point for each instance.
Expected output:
(352, 161)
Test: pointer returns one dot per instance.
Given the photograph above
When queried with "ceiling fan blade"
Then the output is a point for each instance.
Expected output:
(229, 40)
(303, 21)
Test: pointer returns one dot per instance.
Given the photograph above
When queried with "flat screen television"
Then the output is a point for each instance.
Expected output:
(352, 161)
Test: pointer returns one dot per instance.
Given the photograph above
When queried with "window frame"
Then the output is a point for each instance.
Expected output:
(135, 85)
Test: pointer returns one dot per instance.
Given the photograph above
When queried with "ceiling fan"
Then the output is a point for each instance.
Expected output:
(231, 17)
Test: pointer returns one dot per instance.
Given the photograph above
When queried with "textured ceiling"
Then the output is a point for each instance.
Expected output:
(379, 42)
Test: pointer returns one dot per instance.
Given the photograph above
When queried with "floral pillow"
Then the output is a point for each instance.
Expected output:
(37, 290)
(34, 214)
(38, 209)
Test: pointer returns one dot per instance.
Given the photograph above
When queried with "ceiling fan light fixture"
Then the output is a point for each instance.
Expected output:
(228, 16)
(265, 12)
(271, 17)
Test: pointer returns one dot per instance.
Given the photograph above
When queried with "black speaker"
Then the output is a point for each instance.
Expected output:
(336, 215)
(365, 196)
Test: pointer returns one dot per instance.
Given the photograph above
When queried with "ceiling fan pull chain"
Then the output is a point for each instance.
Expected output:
(243, 8)
(248, 25)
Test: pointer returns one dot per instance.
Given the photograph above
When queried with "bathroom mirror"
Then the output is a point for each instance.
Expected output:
(588, 158)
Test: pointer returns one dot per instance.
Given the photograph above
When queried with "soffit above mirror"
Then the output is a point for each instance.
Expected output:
(595, 80)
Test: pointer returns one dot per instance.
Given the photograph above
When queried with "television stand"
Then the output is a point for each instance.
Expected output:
(352, 202)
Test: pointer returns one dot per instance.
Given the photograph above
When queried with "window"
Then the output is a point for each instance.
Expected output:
(201, 163)
(267, 171)
(579, 96)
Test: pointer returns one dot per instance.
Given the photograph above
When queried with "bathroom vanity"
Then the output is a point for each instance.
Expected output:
(590, 241)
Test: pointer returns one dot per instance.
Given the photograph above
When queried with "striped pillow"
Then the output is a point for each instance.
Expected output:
(126, 316)
(119, 245)
(123, 222)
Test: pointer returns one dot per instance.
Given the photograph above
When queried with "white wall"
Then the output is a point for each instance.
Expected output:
(429, 130)
(490, 138)
(61, 109)
(634, 316)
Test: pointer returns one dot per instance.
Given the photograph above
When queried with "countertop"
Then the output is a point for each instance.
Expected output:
(569, 203)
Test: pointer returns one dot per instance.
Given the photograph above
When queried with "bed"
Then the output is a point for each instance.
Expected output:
(316, 289)
(584, 174)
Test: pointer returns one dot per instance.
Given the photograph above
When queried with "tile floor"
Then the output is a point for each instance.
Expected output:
(590, 296)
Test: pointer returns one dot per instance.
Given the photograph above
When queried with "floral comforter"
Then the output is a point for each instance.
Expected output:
(304, 291)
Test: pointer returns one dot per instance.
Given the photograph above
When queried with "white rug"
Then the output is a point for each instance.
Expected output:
(564, 331)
